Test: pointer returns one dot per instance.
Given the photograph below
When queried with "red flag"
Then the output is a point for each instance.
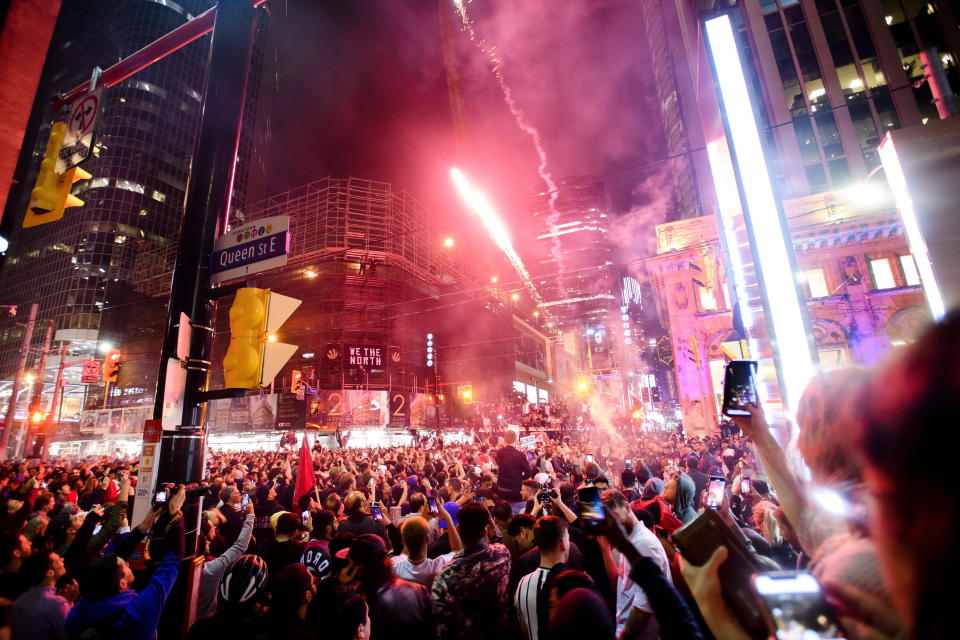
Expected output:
(306, 480)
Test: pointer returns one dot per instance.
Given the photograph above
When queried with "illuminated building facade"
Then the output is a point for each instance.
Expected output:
(830, 77)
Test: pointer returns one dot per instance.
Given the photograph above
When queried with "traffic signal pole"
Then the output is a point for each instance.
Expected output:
(206, 211)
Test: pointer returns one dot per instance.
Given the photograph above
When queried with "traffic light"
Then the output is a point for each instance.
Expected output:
(111, 365)
(51, 194)
(466, 391)
(37, 417)
(253, 359)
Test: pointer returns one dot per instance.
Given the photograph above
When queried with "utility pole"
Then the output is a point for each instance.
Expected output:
(37, 398)
(17, 376)
(48, 432)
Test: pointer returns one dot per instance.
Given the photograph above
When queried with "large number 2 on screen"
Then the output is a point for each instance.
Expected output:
(403, 402)
(335, 409)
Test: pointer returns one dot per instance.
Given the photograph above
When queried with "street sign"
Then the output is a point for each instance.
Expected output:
(78, 142)
(251, 248)
(90, 374)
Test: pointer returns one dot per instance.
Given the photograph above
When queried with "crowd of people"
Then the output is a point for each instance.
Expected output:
(493, 540)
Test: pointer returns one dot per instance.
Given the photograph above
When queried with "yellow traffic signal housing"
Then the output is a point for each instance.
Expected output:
(111, 365)
(51, 194)
(251, 359)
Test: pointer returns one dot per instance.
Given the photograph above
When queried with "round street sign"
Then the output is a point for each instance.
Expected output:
(83, 115)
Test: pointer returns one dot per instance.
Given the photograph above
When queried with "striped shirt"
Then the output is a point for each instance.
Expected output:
(525, 600)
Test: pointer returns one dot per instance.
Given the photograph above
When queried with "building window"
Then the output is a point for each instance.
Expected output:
(910, 275)
(817, 283)
(882, 274)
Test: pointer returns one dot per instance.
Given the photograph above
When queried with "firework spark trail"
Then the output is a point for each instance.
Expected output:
(496, 66)
(479, 204)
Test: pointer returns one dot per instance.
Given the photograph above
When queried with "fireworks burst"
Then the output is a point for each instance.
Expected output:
(496, 66)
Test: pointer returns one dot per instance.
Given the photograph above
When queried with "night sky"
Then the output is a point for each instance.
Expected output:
(361, 91)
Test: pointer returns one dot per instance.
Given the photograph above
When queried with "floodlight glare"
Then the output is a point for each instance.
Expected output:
(918, 246)
(771, 245)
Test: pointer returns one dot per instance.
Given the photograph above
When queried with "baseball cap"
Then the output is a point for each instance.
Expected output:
(367, 547)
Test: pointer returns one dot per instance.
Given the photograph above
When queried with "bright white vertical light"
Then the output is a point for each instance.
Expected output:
(772, 247)
(918, 246)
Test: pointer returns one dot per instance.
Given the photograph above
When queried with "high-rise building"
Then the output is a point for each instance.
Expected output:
(574, 264)
(134, 201)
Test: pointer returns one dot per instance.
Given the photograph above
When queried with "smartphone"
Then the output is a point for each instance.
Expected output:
(629, 464)
(244, 500)
(376, 512)
(96, 529)
(478, 499)
(160, 497)
(306, 516)
(745, 486)
(432, 505)
(794, 606)
(589, 457)
(739, 387)
(698, 539)
(715, 489)
(592, 512)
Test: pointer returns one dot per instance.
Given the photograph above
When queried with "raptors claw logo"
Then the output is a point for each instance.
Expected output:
(395, 356)
(332, 354)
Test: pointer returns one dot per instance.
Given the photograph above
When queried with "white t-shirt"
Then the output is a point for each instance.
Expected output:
(423, 572)
(629, 594)
(525, 600)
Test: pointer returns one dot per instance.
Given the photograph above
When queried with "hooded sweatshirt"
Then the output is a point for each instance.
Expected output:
(132, 615)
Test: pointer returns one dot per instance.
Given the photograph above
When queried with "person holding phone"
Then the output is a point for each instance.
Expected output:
(634, 612)
(230, 510)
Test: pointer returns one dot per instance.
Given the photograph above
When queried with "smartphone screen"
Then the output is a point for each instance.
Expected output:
(592, 512)
(432, 504)
(478, 499)
(745, 486)
(161, 496)
(715, 488)
(739, 387)
(589, 457)
(376, 512)
(244, 500)
(306, 516)
(97, 528)
(795, 607)
(629, 464)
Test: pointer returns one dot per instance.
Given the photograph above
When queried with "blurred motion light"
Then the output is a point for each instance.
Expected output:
(104, 347)
(272, 337)
(29, 378)
(908, 213)
(772, 248)
(310, 273)
(515, 297)
(448, 242)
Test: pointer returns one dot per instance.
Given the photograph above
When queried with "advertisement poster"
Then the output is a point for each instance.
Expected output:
(250, 413)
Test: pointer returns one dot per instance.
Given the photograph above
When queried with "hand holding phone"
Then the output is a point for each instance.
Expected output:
(715, 490)
(592, 513)
(794, 606)
(745, 486)
(740, 387)
(375, 512)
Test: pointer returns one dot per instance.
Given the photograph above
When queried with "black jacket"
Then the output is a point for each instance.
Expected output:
(513, 469)
(400, 610)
